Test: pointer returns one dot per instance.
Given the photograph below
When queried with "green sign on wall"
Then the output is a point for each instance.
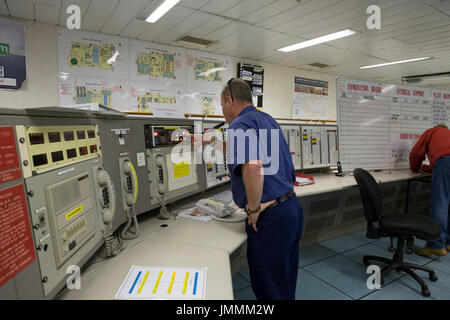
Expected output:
(4, 48)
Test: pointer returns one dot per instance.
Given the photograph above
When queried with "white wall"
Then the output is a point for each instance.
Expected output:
(41, 86)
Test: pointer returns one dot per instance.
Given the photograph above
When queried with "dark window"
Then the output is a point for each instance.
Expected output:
(40, 159)
(36, 138)
(71, 153)
(81, 134)
(68, 135)
(93, 148)
(54, 137)
(91, 134)
(57, 156)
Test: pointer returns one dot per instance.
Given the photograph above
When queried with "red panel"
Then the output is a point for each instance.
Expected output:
(16, 240)
(10, 176)
(8, 151)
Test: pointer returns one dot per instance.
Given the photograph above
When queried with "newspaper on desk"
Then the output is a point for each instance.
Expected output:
(226, 196)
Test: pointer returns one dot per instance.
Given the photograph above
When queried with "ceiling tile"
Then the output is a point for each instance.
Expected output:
(167, 22)
(220, 6)
(193, 4)
(98, 12)
(123, 15)
(208, 27)
(270, 10)
(246, 7)
(21, 9)
(135, 28)
(182, 28)
(3, 8)
(48, 11)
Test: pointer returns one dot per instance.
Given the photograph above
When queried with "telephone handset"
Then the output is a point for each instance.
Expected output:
(215, 208)
(131, 183)
(160, 162)
(107, 196)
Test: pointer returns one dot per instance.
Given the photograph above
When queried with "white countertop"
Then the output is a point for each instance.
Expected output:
(190, 243)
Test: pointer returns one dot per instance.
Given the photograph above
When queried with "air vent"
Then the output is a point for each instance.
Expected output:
(318, 65)
(195, 41)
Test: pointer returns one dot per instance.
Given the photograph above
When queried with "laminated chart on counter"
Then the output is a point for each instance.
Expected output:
(163, 283)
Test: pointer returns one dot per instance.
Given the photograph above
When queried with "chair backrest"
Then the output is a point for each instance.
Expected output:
(370, 194)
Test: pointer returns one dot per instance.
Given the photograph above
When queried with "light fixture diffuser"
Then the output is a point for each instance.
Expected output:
(394, 62)
(161, 10)
(319, 40)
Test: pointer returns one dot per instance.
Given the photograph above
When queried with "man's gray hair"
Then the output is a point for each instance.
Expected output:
(240, 89)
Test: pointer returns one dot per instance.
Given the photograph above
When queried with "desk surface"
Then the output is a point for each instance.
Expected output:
(328, 182)
(104, 283)
(190, 243)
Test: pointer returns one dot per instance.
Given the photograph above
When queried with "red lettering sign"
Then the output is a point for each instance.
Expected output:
(376, 89)
(8, 152)
(358, 87)
(418, 93)
(403, 92)
(16, 240)
(437, 95)
(446, 96)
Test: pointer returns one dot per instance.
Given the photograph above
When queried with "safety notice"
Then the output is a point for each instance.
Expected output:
(16, 241)
(8, 152)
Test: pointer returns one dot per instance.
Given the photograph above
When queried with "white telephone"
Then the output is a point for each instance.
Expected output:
(216, 209)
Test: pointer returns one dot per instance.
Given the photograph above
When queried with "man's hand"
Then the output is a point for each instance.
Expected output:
(199, 140)
(253, 218)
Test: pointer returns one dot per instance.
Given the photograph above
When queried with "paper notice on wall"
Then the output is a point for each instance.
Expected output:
(310, 99)
(181, 170)
(140, 159)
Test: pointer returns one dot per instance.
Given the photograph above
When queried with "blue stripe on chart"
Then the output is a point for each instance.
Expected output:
(195, 284)
(135, 281)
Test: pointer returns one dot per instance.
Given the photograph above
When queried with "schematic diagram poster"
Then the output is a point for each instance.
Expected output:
(16, 241)
(147, 97)
(206, 74)
(198, 102)
(78, 90)
(310, 99)
(92, 55)
(157, 64)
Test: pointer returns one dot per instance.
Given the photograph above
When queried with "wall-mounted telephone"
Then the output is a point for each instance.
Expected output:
(107, 201)
(129, 182)
(160, 162)
(107, 196)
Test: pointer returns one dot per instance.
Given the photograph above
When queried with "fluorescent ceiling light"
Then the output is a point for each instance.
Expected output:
(313, 42)
(162, 10)
(394, 62)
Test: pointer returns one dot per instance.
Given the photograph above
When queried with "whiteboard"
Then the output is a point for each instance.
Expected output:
(380, 123)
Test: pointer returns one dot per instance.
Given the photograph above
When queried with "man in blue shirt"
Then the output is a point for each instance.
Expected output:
(262, 182)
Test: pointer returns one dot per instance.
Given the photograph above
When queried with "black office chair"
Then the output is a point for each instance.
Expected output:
(402, 226)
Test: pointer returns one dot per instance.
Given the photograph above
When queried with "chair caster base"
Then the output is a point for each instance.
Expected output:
(433, 277)
(426, 292)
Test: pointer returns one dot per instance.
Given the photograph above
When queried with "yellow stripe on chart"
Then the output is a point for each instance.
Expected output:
(185, 282)
(143, 282)
(157, 282)
(171, 283)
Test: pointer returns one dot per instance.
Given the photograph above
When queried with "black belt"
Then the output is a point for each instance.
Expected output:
(282, 198)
